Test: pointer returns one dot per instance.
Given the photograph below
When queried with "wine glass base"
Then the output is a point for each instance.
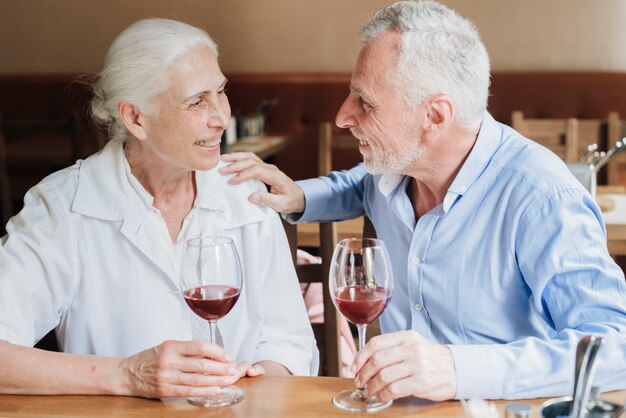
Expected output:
(230, 395)
(354, 401)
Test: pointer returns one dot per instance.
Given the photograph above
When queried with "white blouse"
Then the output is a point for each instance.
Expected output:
(91, 258)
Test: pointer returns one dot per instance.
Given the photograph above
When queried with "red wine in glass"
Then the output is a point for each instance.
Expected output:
(211, 301)
(360, 283)
(211, 282)
(362, 305)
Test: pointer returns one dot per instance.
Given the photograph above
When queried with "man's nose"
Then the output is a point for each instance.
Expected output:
(345, 116)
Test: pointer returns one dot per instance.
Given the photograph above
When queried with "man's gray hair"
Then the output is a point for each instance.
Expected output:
(440, 53)
(136, 67)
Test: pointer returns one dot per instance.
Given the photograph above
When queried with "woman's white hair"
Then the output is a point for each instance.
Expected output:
(136, 66)
(439, 53)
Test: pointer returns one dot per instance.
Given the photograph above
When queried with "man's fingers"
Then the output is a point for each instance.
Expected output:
(239, 165)
(398, 389)
(379, 343)
(238, 156)
(385, 377)
(266, 174)
(377, 363)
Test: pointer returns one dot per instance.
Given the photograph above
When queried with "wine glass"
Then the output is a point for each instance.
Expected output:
(211, 282)
(361, 283)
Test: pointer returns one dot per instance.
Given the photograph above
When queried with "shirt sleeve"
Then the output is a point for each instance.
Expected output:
(577, 290)
(36, 275)
(335, 197)
(287, 337)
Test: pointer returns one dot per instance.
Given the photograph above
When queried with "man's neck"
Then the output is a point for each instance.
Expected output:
(432, 176)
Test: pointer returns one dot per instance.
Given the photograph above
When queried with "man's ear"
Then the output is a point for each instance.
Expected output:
(133, 119)
(440, 113)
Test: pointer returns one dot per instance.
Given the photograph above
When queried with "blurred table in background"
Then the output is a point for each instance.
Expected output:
(612, 201)
(266, 147)
(309, 235)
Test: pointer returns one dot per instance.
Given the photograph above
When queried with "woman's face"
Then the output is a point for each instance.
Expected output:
(185, 129)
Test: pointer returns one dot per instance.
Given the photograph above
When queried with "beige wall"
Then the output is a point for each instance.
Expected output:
(308, 36)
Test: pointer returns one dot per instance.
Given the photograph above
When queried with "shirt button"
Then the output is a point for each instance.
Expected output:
(415, 260)
(418, 307)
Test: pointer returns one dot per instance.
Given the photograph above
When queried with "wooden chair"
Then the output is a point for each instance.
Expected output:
(569, 138)
(558, 135)
(327, 334)
(616, 168)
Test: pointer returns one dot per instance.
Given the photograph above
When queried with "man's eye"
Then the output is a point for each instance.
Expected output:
(363, 103)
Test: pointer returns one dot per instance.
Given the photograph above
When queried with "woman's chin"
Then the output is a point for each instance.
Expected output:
(208, 163)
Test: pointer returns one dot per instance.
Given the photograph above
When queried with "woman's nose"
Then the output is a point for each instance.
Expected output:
(219, 116)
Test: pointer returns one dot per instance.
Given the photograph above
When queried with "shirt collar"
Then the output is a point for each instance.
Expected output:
(146, 197)
(205, 180)
(107, 188)
(484, 148)
(103, 191)
(388, 183)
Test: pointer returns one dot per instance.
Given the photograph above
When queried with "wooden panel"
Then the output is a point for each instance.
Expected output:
(308, 99)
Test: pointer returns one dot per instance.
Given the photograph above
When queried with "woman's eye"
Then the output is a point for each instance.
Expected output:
(196, 103)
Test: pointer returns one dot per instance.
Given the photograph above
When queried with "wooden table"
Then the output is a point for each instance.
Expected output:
(271, 397)
(265, 146)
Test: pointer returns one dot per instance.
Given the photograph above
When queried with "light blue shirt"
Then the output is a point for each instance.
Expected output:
(510, 271)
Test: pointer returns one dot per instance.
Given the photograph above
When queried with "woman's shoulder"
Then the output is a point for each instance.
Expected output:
(215, 187)
(62, 183)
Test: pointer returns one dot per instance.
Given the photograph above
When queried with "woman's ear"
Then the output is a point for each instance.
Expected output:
(133, 119)
(440, 113)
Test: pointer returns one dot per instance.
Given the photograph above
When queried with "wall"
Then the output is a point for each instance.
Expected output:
(308, 36)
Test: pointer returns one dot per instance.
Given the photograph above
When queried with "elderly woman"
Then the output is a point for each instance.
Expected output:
(95, 252)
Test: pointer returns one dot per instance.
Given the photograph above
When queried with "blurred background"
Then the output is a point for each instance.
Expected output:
(550, 59)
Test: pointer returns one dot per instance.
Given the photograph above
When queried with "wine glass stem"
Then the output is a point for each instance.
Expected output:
(361, 328)
(212, 331)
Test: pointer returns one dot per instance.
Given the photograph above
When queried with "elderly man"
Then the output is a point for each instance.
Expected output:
(499, 253)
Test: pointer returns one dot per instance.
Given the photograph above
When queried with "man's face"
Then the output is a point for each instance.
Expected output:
(388, 131)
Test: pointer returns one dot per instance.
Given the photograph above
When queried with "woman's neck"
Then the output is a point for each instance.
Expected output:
(174, 190)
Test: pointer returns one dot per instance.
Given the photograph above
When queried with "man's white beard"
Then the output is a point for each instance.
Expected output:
(395, 162)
